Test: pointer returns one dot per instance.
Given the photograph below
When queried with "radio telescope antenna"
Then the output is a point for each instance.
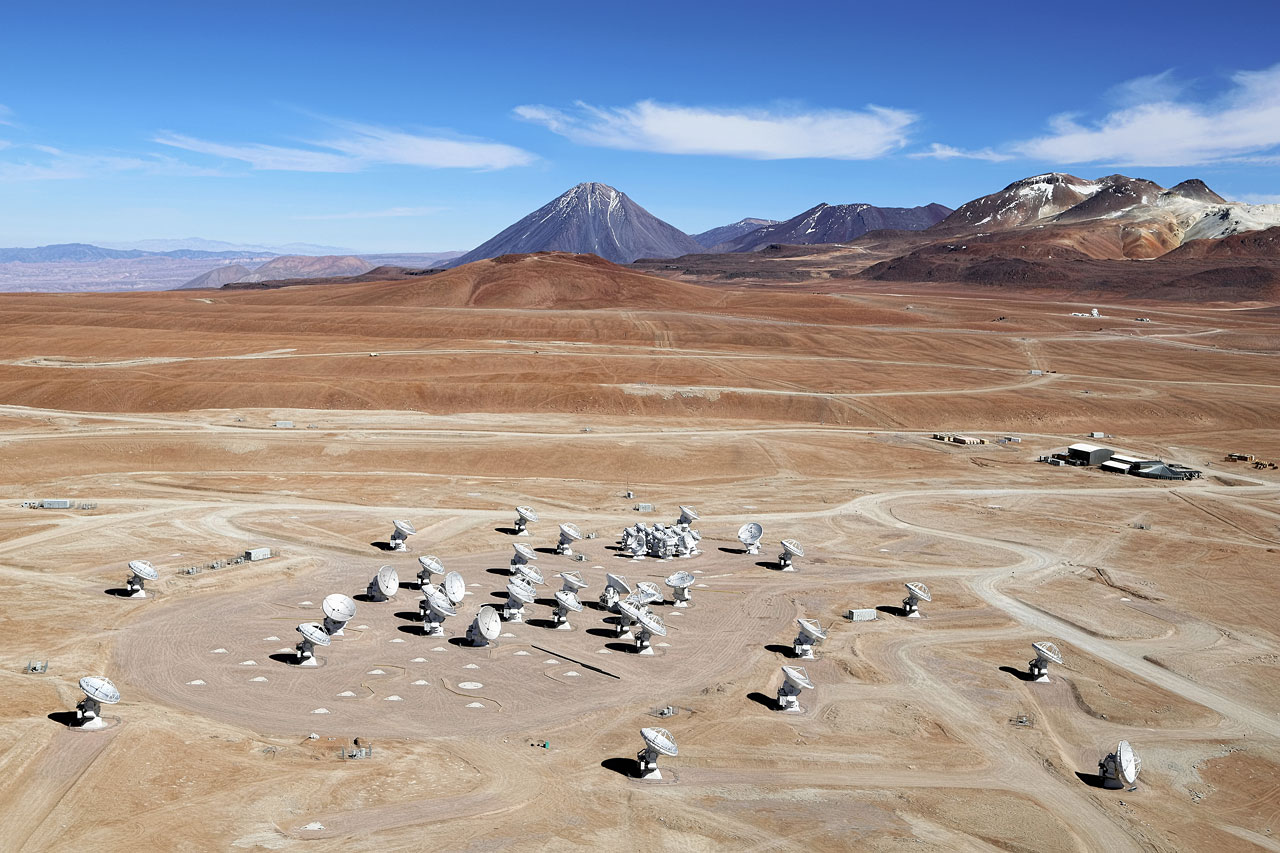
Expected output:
(385, 584)
(790, 549)
(688, 515)
(485, 627)
(629, 609)
(648, 592)
(794, 680)
(438, 608)
(522, 557)
(916, 593)
(680, 583)
(338, 610)
(431, 566)
(403, 530)
(1046, 653)
(566, 602)
(573, 581)
(616, 587)
(650, 626)
(749, 535)
(519, 593)
(140, 571)
(525, 515)
(656, 742)
(454, 588)
(313, 634)
(529, 573)
(98, 691)
(811, 633)
(1120, 769)
(569, 533)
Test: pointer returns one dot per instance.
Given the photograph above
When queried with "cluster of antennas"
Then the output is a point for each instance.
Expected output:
(140, 571)
(401, 532)
(338, 610)
(440, 599)
(98, 691)
(663, 541)
(521, 591)
(567, 600)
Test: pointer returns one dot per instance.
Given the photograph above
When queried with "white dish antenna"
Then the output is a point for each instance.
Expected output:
(439, 604)
(631, 608)
(488, 623)
(339, 607)
(525, 551)
(529, 573)
(651, 622)
(750, 533)
(648, 592)
(571, 531)
(573, 580)
(566, 599)
(659, 740)
(812, 629)
(618, 583)
(792, 547)
(527, 513)
(1048, 651)
(431, 565)
(680, 580)
(314, 633)
(1129, 763)
(687, 515)
(388, 580)
(521, 592)
(454, 587)
(918, 590)
(144, 570)
(797, 677)
(100, 689)
(404, 528)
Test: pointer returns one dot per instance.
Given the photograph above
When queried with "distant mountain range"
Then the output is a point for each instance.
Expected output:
(725, 233)
(201, 244)
(84, 252)
(836, 223)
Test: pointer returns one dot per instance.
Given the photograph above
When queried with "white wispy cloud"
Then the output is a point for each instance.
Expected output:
(938, 151)
(358, 147)
(1170, 130)
(46, 163)
(389, 213)
(755, 134)
(6, 116)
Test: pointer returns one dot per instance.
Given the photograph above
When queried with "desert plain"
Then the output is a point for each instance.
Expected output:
(566, 384)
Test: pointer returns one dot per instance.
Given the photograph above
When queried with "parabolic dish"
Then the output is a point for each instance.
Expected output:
(796, 676)
(648, 592)
(792, 547)
(651, 622)
(431, 563)
(454, 587)
(527, 513)
(659, 740)
(919, 590)
(1128, 762)
(568, 600)
(750, 533)
(339, 607)
(680, 579)
(520, 592)
(143, 569)
(388, 580)
(811, 629)
(404, 527)
(574, 579)
(525, 551)
(439, 604)
(314, 633)
(689, 512)
(529, 573)
(631, 608)
(619, 583)
(489, 623)
(100, 688)
(571, 530)
(1048, 651)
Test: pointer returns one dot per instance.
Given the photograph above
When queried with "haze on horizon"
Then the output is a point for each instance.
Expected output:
(429, 130)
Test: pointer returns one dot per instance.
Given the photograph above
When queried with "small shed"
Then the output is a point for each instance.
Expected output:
(1089, 454)
(255, 554)
(1115, 467)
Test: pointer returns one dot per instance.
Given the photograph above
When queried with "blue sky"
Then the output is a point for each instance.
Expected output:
(420, 126)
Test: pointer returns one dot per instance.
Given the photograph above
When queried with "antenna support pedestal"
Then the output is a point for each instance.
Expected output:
(643, 642)
(803, 648)
(647, 762)
(1039, 670)
(784, 562)
(911, 607)
(89, 715)
(135, 587)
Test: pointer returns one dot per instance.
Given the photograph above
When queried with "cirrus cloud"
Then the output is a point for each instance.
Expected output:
(754, 134)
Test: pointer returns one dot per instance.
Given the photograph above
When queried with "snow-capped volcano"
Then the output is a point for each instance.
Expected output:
(591, 217)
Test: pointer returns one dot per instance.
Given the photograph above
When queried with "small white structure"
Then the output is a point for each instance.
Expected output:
(688, 515)
(916, 593)
(616, 587)
(522, 557)
(338, 610)
(313, 634)
(811, 633)
(253, 555)
(794, 680)
(749, 535)
(566, 602)
(790, 550)
(403, 530)
(656, 742)
(1120, 768)
(680, 583)
(1046, 653)
(385, 584)
(525, 515)
(140, 571)
(485, 627)
(569, 533)
(519, 593)
(98, 691)
(436, 608)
